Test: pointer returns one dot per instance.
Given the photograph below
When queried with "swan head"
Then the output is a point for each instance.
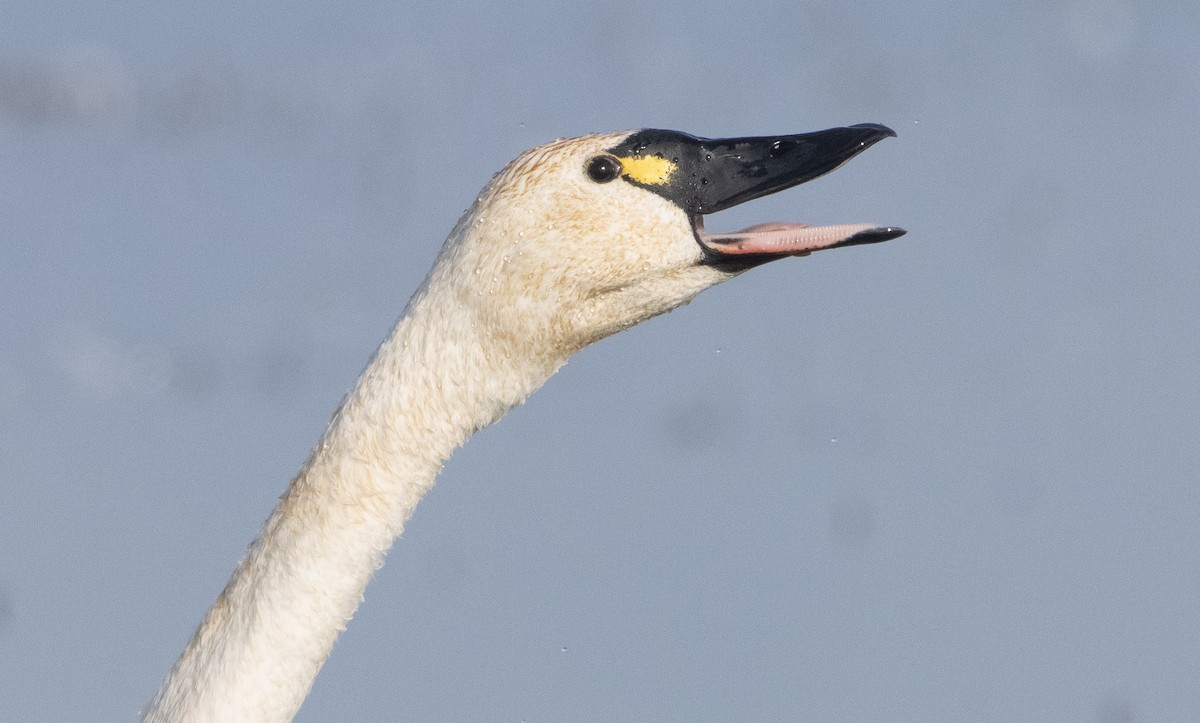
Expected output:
(583, 237)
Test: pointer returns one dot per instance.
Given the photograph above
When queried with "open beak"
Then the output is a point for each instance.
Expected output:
(706, 175)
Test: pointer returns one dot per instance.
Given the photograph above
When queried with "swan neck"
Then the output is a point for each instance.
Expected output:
(439, 377)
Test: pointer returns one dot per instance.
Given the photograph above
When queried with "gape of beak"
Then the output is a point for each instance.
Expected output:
(706, 175)
(765, 242)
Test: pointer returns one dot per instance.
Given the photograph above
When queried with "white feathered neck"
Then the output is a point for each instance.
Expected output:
(538, 268)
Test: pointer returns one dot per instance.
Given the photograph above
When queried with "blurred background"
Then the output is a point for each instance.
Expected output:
(951, 477)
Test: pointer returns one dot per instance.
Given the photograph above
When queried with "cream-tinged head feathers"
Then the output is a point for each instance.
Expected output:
(554, 260)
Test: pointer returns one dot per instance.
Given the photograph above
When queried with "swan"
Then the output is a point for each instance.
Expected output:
(572, 242)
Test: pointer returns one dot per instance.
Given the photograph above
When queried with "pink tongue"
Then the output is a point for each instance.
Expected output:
(777, 237)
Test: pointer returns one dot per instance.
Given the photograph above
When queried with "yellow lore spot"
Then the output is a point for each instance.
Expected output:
(650, 170)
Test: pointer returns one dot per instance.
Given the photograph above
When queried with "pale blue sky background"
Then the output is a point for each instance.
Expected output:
(952, 477)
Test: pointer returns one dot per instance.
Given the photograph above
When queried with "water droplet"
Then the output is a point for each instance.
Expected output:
(833, 440)
(521, 234)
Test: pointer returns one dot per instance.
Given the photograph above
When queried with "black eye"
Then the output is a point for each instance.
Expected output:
(603, 169)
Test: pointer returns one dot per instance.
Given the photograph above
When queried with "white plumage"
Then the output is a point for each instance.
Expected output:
(552, 256)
